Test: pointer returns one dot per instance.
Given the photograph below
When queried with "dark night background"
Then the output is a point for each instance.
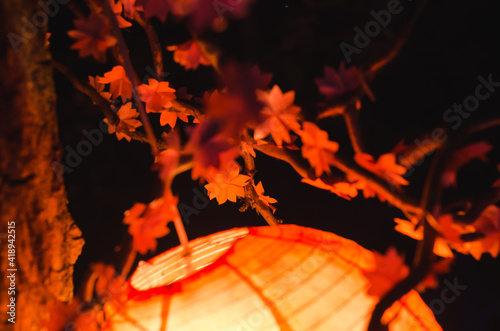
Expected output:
(451, 44)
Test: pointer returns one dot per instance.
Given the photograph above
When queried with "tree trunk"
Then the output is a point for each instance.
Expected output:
(47, 242)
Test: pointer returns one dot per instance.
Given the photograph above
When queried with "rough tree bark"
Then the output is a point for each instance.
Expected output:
(47, 240)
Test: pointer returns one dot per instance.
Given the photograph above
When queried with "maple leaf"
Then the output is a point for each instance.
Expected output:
(477, 150)
(334, 83)
(211, 148)
(189, 55)
(343, 190)
(93, 35)
(267, 200)
(149, 222)
(99, 87)
(154, 8)
(280, 114)
(488, 223)
(247, 149)
(316, 148)
(169, 158)
(385, 167)
(117, 9)
(389, 270)
(127, 122)
(119, 84)
(410, 229)
(226, 185)
(213, 14)
(157, 95)
(228, 109)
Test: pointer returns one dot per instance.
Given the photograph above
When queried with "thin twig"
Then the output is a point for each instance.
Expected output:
(400, 42)
(351, 119)
(352, 171)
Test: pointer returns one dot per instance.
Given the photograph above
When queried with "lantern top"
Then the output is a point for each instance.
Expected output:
(174, 265)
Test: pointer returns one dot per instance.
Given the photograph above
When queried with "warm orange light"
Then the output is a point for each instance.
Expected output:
(279, 278)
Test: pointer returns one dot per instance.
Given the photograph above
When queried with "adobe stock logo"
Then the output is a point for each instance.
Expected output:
(448, 295)
(362, 39)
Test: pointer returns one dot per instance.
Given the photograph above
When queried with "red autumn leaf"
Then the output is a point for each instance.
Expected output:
(117, 9)
(267, 200)
(157, 95)
(119, 84)
(189, 55)
(99, 87)
(169, 158)
(385, 167)
(241, 83)
(343, 190)
(280, 114)
(127, 122)
(211, 148)
(334, 83)
(228, 109)
(93, 35)
(154, 8)
(226, 185)
(149, 222)
(129, 8)
(488, 223)
(390, 269)
(247, 149)
(213, 13)
(317, 149)
(441, 245)
(477, 150)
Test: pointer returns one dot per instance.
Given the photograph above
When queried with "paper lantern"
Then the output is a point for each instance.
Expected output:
(282, 277)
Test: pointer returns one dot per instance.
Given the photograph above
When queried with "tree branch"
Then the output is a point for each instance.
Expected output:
(251, 195)
(353, 172)
(154, 43)
(129, 69)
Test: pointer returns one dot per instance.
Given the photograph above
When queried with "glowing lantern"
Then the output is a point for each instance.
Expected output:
(282, 277)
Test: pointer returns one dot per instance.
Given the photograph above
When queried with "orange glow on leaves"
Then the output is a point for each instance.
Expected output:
(343, 190)
(390, 269)
(267, 200)
(127, 121)
(211, 148)
(117, 9)
(119, 84)
(99, 87)
(226, 186)
(93, 36)
(148, 222)
(280, 114)
(385, 167)
(189, 55)
(334, 83)
(317, 149)
(156, 95)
